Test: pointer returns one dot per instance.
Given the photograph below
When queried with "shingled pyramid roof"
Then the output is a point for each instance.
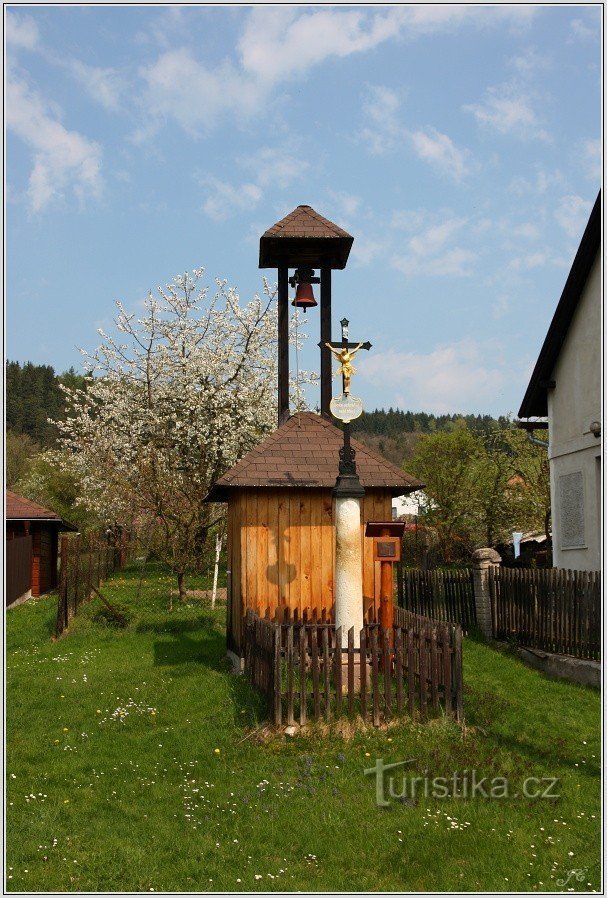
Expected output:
(303, 237)
(304, 221)
(304, 452)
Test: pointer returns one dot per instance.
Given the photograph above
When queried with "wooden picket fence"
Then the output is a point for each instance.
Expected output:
(85, 562)
(551, 609)
(306, 672)
(443, 595)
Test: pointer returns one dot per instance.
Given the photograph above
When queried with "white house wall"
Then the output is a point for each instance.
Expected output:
(575, 453)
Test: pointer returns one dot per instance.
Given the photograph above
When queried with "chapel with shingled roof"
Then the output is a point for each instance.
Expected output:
(281, 530)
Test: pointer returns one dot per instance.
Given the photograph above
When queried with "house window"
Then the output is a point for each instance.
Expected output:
(571, 510)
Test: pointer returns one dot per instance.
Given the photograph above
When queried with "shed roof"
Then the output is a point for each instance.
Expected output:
(18, 508)
(535, 401)
(304, 237)
(304, 452)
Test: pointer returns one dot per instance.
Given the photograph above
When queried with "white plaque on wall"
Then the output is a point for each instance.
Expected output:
(571, 510)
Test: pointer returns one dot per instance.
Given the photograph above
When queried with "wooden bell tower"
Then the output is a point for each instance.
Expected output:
(301, 241)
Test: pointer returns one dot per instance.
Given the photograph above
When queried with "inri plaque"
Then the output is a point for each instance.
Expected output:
(346, 408)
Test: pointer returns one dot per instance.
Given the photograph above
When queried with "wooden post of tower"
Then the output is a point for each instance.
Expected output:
(283, 344)
(325, 337)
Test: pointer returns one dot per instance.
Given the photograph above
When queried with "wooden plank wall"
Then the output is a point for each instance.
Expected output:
(281, 550)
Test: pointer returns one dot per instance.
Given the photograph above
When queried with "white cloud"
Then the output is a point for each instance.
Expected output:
(179, 87)
(501, 306)
(440, 151)
(572, 214)
(274, 165)
(279, 44)
(591, 154)
(529, 63)
(105, 86)
(433, 239)
(62, 158)
(409, 219)
(365, 250)
(527, 230)
(452, 376)
(581, 31)
(508, 110)
(542, 181)
(271, 165)
(428, 253)
(348, 204)
(528, 262)
(21, 31)
(383, 133)
(225, 199)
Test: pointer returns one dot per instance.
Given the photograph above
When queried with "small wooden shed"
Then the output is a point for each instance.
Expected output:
(281, 533)
(32, 543)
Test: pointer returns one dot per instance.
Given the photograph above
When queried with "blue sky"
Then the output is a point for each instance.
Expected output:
(460, 145)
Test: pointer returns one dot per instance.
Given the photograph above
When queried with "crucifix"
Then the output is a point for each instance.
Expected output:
(344, 352)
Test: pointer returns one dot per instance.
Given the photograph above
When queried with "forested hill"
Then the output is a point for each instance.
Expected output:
(395, 434)
(32, 396)
(393, 422)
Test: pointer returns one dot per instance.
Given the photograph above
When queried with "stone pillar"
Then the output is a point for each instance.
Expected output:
(348, 568)
(483, 563)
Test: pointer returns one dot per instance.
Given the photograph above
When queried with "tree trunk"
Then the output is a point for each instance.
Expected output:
(218, 542)
(181, 586)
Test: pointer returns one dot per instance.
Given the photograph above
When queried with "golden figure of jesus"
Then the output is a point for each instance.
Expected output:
(346, 369)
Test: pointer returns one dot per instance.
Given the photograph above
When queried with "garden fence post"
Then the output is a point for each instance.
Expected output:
(484, 565)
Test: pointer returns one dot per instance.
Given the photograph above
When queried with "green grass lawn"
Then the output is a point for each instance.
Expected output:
(128, 768)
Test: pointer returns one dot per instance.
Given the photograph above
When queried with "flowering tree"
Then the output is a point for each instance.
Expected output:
(175, 399)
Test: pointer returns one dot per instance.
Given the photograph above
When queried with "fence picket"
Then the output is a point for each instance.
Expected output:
(351, 670)
(326, 671)
(423, 676)
(337, 671)
(315, 673)
(398, 667)
(447, 667)
(434, 667)
(411, 670)
(362, 660)
(375, 676)
(387, 665)
(303, 692)
(290, 677)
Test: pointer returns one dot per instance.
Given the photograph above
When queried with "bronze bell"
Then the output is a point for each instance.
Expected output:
(304, 296)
